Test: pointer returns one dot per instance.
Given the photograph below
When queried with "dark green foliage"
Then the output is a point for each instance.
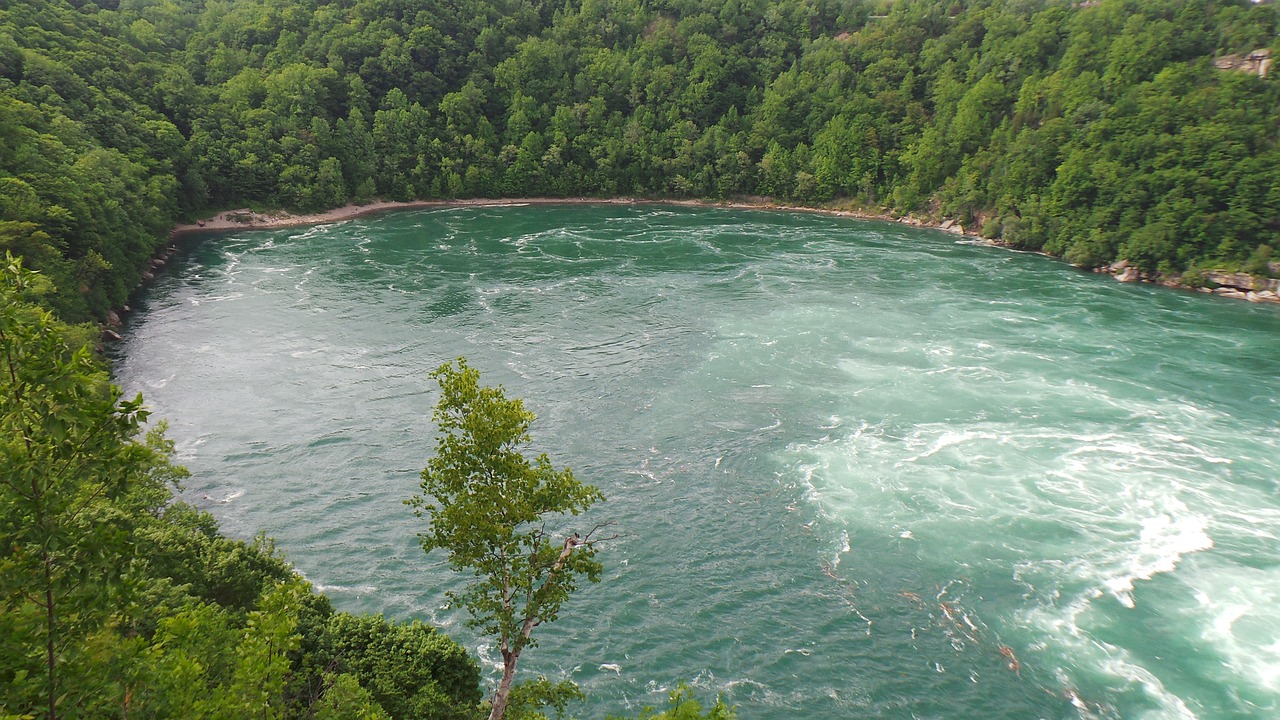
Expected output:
(188, 549)
(409, 669)
(89, 159)
(1076, 124)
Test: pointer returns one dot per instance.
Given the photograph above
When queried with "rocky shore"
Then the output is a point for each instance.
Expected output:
(1240, 286)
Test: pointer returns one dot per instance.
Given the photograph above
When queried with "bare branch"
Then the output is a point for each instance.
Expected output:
(589, 540)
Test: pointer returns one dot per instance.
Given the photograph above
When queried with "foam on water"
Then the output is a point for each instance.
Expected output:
(1241, 604)
(1161, 544)
(999, 490)
(1118, 490)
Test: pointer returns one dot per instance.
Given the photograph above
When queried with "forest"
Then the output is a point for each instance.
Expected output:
(1095, 131)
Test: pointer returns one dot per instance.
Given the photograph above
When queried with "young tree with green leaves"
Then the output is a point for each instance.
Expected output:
(489, 506)
(681, 705)
(73, 473)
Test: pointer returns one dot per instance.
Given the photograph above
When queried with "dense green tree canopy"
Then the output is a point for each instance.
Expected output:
(1094, 131)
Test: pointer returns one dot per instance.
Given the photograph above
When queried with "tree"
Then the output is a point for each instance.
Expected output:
(410, 670)
(489, 506)
(71, 459)
(206, 661)
(347, 700)
(681, 705)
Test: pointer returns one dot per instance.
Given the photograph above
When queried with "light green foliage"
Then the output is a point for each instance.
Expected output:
(531, 698)
(262, 662)
(71, 463)
(1259, 262)
(207, 663)
(345, 699)
(488, 507)
(682, 706)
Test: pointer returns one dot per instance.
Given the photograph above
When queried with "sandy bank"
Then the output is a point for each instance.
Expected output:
(246, 219)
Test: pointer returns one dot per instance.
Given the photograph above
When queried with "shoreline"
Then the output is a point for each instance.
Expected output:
(247, 219)
(1239, 286)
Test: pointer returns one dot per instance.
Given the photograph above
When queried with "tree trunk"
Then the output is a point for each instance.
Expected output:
(509, 661)
(51, 656)
(511, 657)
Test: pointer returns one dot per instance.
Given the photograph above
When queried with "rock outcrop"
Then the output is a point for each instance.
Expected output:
(1239, 286)
(1124, 272)
(1244, 281)
(1257, 62)
(1244, 286)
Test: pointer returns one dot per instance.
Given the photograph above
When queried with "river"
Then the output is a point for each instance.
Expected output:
(856, 469)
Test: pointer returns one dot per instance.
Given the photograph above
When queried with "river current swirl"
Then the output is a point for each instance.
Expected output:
(857, 470)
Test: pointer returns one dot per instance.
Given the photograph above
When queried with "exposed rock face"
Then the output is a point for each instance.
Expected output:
(1257, 62)
(1244, 281)
(1124, 272)
(1244, 286)
(1241, 286)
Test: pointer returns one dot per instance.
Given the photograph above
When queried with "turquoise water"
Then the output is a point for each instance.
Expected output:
(858, 470)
